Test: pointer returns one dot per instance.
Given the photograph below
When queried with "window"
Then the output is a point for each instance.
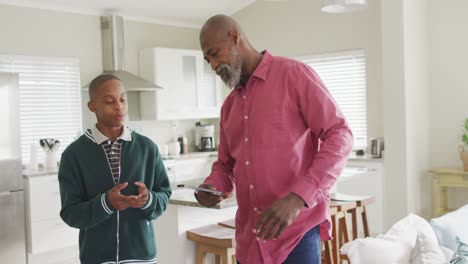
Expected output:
(50, 100)
(344, 74)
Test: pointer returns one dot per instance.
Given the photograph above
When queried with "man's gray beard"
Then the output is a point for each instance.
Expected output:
(233, 74)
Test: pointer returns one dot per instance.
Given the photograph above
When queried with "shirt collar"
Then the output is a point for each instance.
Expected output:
(99, 137)
(261, 71)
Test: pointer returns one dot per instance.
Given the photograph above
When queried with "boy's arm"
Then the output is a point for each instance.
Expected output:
(76, 212)
(159, 193)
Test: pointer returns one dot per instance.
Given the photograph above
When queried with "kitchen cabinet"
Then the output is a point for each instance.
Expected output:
(191, 90)
(48, 238)
(366, 184)
(189, 167)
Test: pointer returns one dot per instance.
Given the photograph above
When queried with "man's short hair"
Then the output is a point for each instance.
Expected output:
(98, 81)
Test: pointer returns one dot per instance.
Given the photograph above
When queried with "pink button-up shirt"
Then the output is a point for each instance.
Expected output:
(281, 133)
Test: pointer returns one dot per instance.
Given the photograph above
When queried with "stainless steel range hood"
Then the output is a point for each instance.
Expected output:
(113, 55)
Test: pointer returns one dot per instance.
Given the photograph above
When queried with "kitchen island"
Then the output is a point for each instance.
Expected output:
(185, 213)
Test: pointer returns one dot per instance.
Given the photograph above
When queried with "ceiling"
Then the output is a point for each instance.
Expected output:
(186, 13)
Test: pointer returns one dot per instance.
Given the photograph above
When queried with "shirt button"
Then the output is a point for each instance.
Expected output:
(247, 163)
(255, 209)
(108, 142)
(246, 117)
(244, 97)
(251, 186)
(246, 139)
(254, 78)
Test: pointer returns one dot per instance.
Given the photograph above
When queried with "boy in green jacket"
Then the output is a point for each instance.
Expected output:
(113, 183)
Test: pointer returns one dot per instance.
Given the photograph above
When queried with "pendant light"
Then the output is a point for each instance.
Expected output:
(343, 6)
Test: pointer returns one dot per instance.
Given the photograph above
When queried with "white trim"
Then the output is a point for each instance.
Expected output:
(332, 55)
(135, 261)
(150, 200)
(88, 135)
(104, 204)
(17, 57)
(131, 17)
(164, 22)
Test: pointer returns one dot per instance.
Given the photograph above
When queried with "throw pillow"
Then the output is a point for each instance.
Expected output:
(461, 254)
(374, 250)
(427, 251)
(393, 247)
(451, 225)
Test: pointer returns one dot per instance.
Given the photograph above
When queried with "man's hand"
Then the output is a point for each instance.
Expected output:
(117, 200)
(138, 201)
(280, 215)
(208, 199)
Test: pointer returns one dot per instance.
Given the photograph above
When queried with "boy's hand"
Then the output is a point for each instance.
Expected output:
(138, 201)
(117, 200)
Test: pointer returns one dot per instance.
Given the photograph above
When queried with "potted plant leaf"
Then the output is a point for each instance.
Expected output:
(464, 147)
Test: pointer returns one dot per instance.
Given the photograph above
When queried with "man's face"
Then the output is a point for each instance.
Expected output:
(109, 103)
(223, 56)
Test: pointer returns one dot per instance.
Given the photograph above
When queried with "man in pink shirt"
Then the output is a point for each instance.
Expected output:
(283, 143)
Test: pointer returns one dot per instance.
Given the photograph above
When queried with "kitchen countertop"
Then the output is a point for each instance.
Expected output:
(214, 154)
(183, 196)
(193, 155)
(354, 157)
(28, 173)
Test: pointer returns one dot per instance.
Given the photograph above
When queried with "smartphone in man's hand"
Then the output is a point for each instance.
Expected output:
(214, 192)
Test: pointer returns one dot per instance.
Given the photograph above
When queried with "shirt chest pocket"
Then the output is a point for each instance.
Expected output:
(271, 131)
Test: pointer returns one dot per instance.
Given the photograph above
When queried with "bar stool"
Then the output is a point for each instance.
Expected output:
(361, 202)
(214, 239)
(327, 246)
(340, 228)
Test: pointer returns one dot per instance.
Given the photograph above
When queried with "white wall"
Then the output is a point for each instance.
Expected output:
(297, 27)
(417, 95)
(27, 31)
(449, 85)
(393, 85)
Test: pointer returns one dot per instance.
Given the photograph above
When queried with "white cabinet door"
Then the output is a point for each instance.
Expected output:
(46, 231)
(44, 190)
(370, 183)
(51, 235)
(191, 89)
(191, 169)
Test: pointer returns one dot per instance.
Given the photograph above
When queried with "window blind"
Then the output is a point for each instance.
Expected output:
(344, 74)
(50, 100)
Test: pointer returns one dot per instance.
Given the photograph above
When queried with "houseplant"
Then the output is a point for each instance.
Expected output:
(464, 147)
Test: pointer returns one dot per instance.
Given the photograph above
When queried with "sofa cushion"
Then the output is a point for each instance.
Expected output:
(451, 225)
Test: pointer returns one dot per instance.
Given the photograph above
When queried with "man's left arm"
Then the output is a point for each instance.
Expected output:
(160, 191)
(319, 155)
(331, 133)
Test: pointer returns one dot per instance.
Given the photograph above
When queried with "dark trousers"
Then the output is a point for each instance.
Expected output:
(308, 251)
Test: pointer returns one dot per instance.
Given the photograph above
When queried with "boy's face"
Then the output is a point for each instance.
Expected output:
(109, 103)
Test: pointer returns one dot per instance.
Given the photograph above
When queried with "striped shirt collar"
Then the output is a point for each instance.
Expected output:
(98, 137)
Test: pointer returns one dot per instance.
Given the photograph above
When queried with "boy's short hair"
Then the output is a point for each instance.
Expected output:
(98, 81)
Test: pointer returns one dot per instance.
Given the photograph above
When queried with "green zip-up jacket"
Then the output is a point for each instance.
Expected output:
(106, 235)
